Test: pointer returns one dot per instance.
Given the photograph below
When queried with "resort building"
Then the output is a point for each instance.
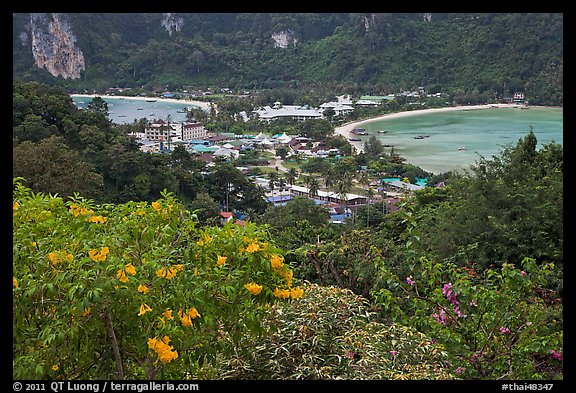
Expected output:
(157, 130)
(193, 131)
(278, 111)
(329, 196)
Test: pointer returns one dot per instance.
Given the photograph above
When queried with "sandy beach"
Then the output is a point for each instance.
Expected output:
(202, 104)
(345, 130)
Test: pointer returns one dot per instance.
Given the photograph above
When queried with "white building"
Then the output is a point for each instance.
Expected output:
(296, 112)
(192, 131)
(157, 130)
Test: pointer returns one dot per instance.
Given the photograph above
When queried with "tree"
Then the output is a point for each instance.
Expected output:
(314, 186)
(295, 210)
(97, 104)
(51, 167)
(292, 175)
(206, 209)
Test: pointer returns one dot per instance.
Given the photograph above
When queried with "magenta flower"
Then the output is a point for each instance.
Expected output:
(441, 318)
(410, 281)
(523, 273)
(473, 303)
(459, 370)
(504, 330)
(393, 353)
(556, 355)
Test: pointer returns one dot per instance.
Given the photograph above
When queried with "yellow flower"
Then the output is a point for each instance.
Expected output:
(167, 314)
(15, 205)
(54, 258)
(161, 272)
(85, 312)
(70, 257)
(14, 282)
(144, 308)
(221, 260)
(165, 352)
(187, 317)
(276, 261)
(253, 247)
(143, 288)
(98, 256)
(296, 293)
(130, 269)
(96, 219)
(171, 273)
(121, 276)
(184, 318)
(193, 313)
(282, 293)
(55, 367)
(253, 288)
(156, 205)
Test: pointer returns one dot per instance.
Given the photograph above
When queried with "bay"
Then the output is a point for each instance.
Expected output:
(454, 140)
(127, 110)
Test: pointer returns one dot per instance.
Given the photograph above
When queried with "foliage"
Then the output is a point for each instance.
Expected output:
(133, 290)
(331, 334)
(509, 207)
(495, 322)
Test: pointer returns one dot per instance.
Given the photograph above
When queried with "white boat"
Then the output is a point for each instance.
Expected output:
(461, 148)
(140, 109)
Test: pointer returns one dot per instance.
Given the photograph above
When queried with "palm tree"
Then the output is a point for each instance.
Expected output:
(292, 176)
(369, 194)
(343, 187)
(272, 181)
(314, 187)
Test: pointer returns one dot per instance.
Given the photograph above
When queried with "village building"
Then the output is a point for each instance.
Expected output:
(191, 131)
(296, 112)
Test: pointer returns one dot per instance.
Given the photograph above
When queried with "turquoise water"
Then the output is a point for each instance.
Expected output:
(480, 132)
(125, 111)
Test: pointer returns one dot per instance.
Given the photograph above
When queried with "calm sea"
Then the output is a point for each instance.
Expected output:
(126, 111)
(457, 139)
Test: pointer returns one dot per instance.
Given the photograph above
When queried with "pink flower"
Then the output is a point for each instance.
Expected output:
(473, 303)
(393, 353)
(459, 370)
(441, 318)
(504, 330)
(523, 273)
(410, 281)
(556, 355)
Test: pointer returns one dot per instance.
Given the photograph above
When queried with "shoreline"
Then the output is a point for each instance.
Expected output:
(202, 104)
(345, 129)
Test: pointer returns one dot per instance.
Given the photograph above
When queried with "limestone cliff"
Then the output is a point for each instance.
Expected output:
(54, 45)
(172, 22)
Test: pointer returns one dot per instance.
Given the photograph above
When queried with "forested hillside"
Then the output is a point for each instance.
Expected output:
(476, 55)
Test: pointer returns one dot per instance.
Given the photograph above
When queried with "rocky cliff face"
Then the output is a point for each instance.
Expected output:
(284, 39)
(172, 22)
(54, 45)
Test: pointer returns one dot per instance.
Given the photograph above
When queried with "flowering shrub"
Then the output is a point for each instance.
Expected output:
(494, 323)
(133, 290)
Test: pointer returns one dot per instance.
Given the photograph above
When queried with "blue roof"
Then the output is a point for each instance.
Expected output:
(279, 198)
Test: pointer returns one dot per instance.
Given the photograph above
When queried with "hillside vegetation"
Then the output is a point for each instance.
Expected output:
(471, 55)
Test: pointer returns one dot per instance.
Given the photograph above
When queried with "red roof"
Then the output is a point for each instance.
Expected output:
(226, 214)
